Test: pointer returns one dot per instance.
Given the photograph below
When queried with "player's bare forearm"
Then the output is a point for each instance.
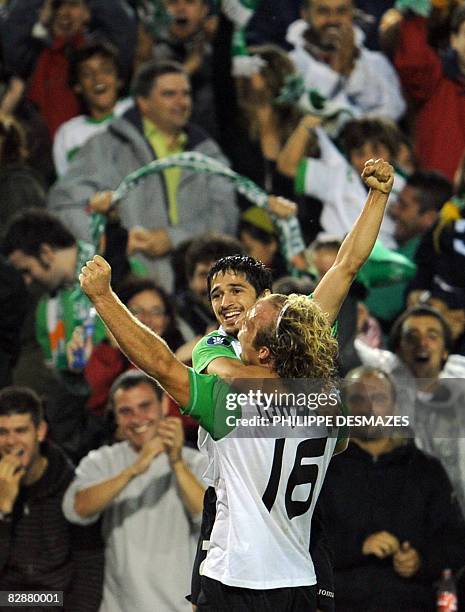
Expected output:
(143, 347)
(358, 244)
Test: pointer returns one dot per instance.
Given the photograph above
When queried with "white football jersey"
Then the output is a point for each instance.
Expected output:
(266, 493)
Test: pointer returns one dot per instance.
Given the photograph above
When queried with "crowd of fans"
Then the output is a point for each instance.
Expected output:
(295, 95)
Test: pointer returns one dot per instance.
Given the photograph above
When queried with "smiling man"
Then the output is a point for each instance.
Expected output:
(185, 40)
(34, 475)
(331, 57)
(148, 492)
(256, 545)
(430, 383)
(95, 76)
(168, 207)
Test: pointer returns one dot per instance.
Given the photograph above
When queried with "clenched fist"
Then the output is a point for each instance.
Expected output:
(95, 278)
(378, 175)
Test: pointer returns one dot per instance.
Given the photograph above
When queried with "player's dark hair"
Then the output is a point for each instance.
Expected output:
(210, 247)
(30, 229)
(255, 272)
(147, 75)
(21, 400)
(419, 311)
(94, 47)
(434, 189)
(129, 380)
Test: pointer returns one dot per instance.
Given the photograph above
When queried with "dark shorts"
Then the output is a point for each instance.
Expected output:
(217, 597)
(208, 518)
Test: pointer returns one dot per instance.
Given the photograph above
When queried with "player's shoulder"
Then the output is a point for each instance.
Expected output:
(217, 338)
(212, 346)
(213, 340)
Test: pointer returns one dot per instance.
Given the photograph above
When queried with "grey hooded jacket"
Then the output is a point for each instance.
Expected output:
(205, 202)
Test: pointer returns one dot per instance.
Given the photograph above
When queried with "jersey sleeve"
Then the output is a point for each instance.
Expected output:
(209, 348)
(209, 404)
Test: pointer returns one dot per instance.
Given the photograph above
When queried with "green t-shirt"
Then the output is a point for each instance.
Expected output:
(208, 404)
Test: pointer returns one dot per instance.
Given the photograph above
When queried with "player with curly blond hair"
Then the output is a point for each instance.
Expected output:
(266, 486)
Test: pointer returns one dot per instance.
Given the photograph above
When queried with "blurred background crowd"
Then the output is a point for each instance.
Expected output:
(295, 95)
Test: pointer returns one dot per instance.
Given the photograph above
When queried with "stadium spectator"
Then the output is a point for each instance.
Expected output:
(43, 250)
(185, 40)
(412, 527)
(167, 207)
(428, 379)
(330, 55)
(264, 123)
(414, 211)
(20, 186)
(334, 178)
(40, 549)
(417, 208)
(104, 361)
(13, 102)
(259, 237)
(148, 493)
(37, 38)
(95, 76)
(434, 83)
(440, 259)
(193, 304)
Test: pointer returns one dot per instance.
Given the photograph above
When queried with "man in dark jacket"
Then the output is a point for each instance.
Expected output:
(400, 524)
(39, 549)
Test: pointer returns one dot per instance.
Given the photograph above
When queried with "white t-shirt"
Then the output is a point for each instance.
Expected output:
(73, 134)
(331, 179)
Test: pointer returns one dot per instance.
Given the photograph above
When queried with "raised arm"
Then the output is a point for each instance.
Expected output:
(143, 347)
(334, 286)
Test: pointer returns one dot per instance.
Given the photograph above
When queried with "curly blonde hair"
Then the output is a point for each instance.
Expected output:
(300, 340)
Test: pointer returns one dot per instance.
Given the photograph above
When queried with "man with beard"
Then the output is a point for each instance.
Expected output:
(412, 527)
(330, 55)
